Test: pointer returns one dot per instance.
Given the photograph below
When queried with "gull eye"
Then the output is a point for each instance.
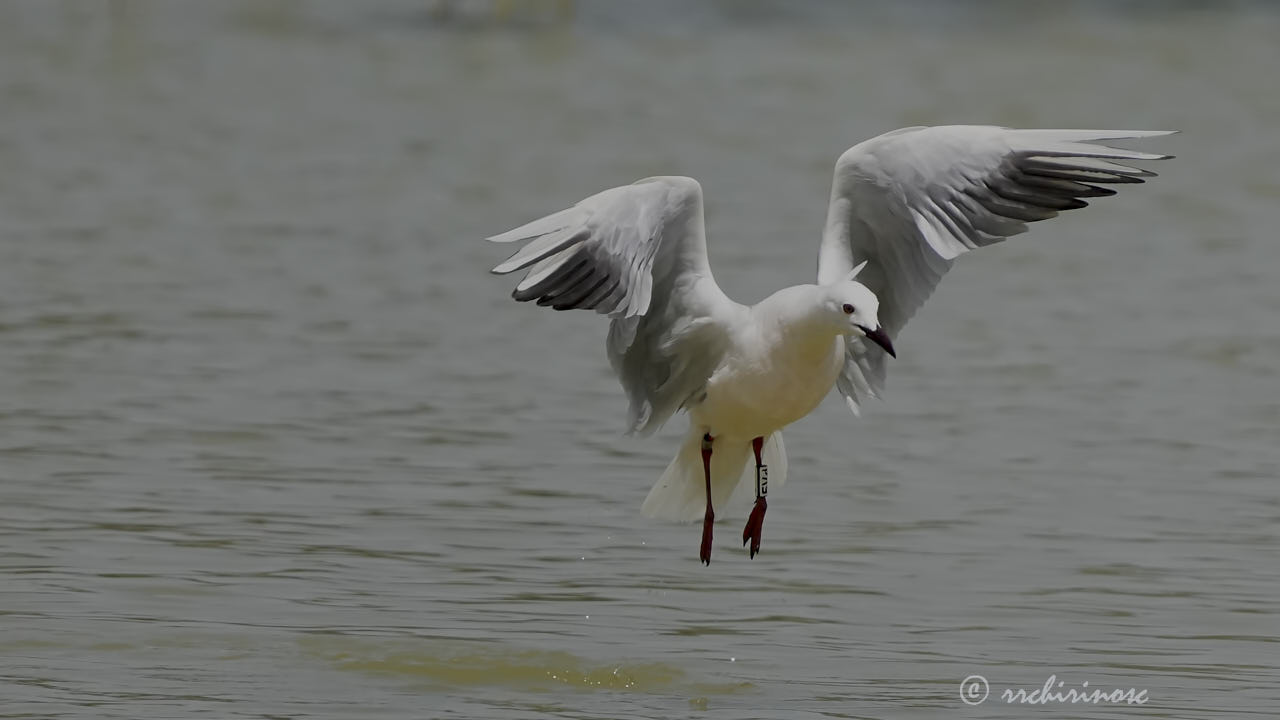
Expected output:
(847, 308)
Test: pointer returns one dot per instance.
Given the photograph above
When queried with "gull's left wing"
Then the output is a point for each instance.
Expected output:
(910, 201)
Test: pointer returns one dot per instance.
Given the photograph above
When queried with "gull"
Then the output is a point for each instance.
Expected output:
(904, 205)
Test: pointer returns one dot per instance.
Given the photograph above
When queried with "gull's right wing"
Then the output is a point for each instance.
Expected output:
(637, 253)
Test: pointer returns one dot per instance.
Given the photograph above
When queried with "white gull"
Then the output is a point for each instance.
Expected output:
(903, 206)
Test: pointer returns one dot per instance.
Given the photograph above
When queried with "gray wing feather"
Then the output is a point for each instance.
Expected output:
(909, 202)
(638, 254)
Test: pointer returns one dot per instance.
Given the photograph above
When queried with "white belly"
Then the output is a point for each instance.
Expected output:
(755, 394)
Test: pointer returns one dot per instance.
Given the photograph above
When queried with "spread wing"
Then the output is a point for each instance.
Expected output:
(910, 201)
(638, 254)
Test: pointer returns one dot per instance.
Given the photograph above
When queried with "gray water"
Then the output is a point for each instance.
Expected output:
(274, 444)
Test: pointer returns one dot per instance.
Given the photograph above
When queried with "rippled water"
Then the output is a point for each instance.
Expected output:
(273, 443)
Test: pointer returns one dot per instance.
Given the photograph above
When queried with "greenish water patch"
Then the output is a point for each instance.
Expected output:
(454, 664)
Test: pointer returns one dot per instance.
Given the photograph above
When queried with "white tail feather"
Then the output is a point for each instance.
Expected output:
(680, 494)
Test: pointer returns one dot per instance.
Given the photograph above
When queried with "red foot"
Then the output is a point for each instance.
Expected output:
(755, 525)
(704, 554)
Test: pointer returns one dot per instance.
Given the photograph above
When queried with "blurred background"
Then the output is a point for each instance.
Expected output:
(274, 444)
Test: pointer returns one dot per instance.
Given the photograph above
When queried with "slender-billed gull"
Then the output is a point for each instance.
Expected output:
(903, 206)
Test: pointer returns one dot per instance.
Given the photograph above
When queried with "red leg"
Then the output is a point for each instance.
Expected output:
(755, 523)
(705, 552)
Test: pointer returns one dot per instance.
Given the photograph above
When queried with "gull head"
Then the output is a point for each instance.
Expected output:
(853, 308)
